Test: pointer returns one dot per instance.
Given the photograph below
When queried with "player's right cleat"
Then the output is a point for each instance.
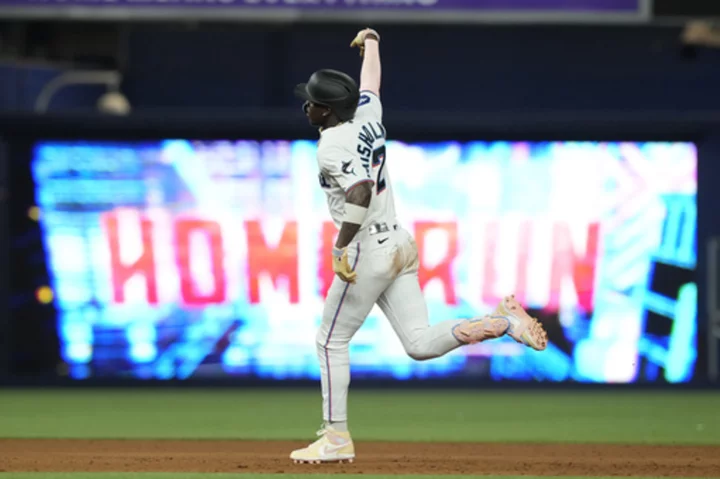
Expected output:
(333, 446)
(523, 328)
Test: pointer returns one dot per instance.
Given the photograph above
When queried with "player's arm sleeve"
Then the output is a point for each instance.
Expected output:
(369, 106)
(347, 169)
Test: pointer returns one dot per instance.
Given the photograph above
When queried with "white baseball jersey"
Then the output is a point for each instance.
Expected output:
(386, 263)
(353, 153)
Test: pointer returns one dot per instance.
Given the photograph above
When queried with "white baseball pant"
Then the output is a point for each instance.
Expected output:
(387, 274)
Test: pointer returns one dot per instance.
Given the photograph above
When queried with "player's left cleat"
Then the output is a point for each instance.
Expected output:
(523, 328)
(333, 446)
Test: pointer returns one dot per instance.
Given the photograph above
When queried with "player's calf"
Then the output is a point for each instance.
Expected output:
(508, 318)
(471, 331)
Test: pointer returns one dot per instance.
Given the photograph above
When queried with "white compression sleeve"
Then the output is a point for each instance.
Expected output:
(354, 214)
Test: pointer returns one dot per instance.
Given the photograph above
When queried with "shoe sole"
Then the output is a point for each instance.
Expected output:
(534, 336)
(324, 461)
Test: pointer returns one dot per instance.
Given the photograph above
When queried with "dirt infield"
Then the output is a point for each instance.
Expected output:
(385, 458)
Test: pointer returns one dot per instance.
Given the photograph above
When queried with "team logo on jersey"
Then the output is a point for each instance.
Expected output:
(347, 168)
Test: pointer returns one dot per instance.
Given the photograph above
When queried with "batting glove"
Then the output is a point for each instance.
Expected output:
(341, 266)
(359, 40)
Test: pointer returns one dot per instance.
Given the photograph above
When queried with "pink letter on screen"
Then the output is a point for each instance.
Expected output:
(184, 228)
(441, 270)
(580, 266)
(523, 256)
(325, 268)
(144, 265)
(281, 260)
(490, 273)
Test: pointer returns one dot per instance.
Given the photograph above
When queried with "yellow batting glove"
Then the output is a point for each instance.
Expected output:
(359, 40)
(341, 266)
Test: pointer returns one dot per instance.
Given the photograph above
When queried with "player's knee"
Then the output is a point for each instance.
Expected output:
(418, 353)
(326, 341)
(321, 338)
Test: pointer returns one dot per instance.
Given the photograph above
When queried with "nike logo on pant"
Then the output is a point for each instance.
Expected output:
(383, 240)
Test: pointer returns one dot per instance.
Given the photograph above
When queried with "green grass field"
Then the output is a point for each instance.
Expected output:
(653, 418)
(580, 417)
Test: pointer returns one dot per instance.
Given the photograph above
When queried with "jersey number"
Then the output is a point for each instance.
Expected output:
(379, 160)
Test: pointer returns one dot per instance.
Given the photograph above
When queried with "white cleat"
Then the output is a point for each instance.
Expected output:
(333, 446)
(523, 328)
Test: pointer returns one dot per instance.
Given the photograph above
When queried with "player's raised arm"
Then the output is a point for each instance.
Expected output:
(368, 40)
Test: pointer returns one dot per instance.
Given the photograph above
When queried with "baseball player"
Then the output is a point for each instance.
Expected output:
(375, 260)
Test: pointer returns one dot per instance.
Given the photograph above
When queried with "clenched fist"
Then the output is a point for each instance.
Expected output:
(341, 265)
(359, 40)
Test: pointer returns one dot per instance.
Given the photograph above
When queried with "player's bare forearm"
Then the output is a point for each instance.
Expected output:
(371, 71)
(360, 195)
(347, 233)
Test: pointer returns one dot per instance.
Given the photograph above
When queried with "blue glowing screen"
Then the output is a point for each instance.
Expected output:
(181, 258)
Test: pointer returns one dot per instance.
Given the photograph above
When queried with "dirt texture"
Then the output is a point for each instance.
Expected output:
(372, 457)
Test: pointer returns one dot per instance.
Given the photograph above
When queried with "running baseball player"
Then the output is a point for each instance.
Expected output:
(375, 260)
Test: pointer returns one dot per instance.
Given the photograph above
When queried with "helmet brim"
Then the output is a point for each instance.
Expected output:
(302, 92)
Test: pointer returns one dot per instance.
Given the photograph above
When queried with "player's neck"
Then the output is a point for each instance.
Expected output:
(330, 123)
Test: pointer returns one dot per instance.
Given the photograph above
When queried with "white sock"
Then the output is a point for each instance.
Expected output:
(340, 426)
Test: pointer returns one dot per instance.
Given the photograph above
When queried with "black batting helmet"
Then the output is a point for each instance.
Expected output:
(333, 89)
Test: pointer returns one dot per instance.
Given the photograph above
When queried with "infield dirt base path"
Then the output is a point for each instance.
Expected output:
(382, 458)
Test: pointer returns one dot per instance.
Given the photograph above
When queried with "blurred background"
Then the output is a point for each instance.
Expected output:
(162, 221)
